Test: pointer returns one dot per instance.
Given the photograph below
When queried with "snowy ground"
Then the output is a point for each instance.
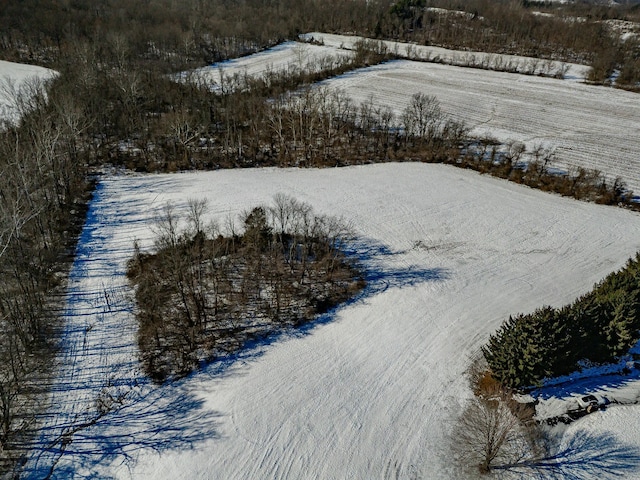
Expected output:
(17, 78)
(370, 390)
(288, 57)
(572, 71)
(587, 126)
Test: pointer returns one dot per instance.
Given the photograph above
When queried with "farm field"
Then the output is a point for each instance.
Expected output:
(288, 56)
(370, 390)
(518, 63)
(17, 78)
(586, 126)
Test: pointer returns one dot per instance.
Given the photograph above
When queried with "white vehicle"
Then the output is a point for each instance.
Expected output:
(591, 403)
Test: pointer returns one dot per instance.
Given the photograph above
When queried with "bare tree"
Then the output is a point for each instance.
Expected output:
(491, 432)
(423, 117)
(494, 429)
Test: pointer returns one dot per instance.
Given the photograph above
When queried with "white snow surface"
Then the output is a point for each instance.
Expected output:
(17, 78)
(288, 57)
(370, 390)
(574, 71)
(586, 126)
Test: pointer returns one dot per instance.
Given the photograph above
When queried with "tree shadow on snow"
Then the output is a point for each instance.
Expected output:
(587, 455)
(174, 416)
(605, 383)
(382, 270)
(147, 418)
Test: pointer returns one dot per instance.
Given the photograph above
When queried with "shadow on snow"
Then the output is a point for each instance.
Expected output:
(586, 455)
(376, 263)
(148, 418)
(173, 416)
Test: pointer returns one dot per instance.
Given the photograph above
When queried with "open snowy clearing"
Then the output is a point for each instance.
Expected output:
(370, 390)
(289, 57)
(587, 126)
(17, 79)
(572, 71)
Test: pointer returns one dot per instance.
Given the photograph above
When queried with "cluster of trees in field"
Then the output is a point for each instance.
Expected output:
(202, 295)
(598, 327)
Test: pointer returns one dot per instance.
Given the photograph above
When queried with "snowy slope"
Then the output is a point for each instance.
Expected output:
(288, 56)
(16, 78)
(370, 390)
(587, 126)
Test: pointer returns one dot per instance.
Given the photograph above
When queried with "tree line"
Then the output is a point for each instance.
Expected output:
(202, 295)
(569, 32)
(177, 35)
(44, 188)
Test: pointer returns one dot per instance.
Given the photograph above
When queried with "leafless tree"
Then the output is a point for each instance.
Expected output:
(423, 117)
(494, 429)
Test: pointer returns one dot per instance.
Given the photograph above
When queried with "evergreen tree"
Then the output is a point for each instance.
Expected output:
(598, 327)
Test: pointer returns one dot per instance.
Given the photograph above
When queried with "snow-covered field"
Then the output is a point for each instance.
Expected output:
(587, 126)
(370, 390)
(16, 79)
(289, 57)
(572, 71)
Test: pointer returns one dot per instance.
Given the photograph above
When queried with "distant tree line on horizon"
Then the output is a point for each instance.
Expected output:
(170, 36)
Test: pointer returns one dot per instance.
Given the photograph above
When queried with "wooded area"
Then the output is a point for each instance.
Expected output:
(203, 296)
(598, 327)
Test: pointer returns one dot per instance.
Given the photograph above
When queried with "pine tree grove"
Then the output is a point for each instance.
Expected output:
(598, 327)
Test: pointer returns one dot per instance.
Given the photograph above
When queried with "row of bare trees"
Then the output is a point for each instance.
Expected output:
(568, 32)
(43, 188)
